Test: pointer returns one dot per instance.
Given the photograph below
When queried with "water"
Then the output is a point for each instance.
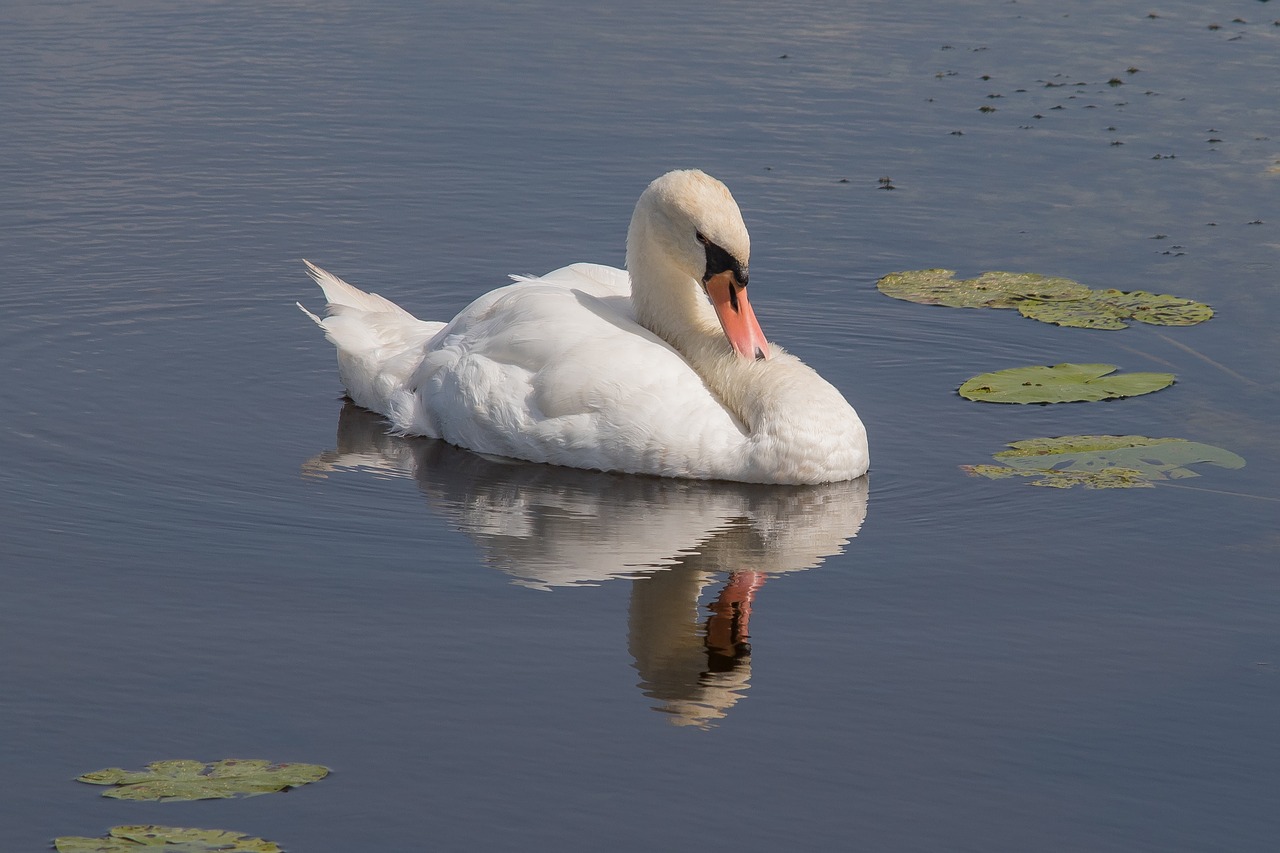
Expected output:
(497, 657)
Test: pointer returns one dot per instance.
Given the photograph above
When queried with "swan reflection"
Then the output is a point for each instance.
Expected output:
(550, 527)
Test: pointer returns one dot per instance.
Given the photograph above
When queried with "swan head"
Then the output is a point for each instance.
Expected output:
(688, 233)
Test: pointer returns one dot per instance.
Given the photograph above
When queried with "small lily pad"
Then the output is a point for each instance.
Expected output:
(1104, 461)
(989, 290)
(165, 839)
(1061, 383)
(1109, 309)
(195, 780)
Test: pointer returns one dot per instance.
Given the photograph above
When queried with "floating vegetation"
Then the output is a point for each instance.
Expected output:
(1103, 461)
(195, 780)
(1108, 309)
(175, 839)
(1048, 299)
(1110, 478)
(1061, 383)
(989, 290)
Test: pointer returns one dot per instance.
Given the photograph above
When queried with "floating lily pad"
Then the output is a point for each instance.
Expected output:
(1061, 383)
(1109, 309)
(1049, 299)
(1104, 461)
(195, 780)
(989, 290)
(1107, 478)
(165, 839)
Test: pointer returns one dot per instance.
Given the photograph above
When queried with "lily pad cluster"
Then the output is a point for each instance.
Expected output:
(1092, 461)
(1048, 299)
(195, 780)
(168, 781)
(1103, 461)
(1061, 383)
(989, 290)
(165, 839)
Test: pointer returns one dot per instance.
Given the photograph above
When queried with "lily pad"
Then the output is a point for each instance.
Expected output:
(989, 290)
(1109, 309)
(1104, 461)
(1050, 299)
(195, 780)
(1061, 383)
(165, 839)
(1107, 478)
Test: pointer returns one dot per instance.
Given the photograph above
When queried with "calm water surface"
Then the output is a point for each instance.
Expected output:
(206, 555)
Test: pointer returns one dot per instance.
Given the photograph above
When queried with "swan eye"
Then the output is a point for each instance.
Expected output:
(701, 239)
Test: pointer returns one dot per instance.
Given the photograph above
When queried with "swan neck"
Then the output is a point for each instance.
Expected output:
(671, 303)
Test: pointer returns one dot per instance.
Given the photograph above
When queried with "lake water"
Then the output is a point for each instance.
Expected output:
(206, 555)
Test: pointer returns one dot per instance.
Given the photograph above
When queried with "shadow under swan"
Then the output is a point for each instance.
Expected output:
(548, 527)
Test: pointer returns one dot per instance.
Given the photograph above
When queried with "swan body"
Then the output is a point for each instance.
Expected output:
(664, 371)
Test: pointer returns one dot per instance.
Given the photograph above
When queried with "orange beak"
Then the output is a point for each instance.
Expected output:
(729, 298)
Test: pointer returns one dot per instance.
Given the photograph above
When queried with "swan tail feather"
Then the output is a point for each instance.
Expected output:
(380, 344)
(338, 292)
(319, 321)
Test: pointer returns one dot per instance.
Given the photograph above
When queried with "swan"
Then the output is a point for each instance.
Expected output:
(664, 371)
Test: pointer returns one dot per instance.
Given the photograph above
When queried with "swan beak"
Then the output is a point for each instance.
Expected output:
(729, 298)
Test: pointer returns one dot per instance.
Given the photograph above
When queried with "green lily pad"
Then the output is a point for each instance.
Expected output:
(989, 290)
(1107, 478)
(165, 839)
(1049, 299)
(195, 780)
(1061, 383)
(1104, 461)
(1109, 309)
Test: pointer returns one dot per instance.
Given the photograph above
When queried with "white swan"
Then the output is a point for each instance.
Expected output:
(665, 372)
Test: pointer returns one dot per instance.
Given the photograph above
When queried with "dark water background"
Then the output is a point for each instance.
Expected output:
(194, 567)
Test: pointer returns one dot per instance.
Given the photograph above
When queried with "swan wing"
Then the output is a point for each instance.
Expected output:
(556, 369)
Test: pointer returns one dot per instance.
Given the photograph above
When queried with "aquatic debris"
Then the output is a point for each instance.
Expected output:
(194, 780)
(1049, 299)
(1103, 461)
(1061, 383)
(138, 839)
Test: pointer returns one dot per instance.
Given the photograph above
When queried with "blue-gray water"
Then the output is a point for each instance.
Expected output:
(196, 566)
